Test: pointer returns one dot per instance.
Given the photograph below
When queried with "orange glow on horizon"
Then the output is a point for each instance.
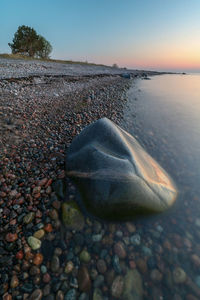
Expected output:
(176, 57)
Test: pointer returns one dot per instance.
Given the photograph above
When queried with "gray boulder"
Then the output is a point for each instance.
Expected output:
(117, 179)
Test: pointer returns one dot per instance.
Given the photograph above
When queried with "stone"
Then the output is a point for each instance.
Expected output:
(84, 257)
(43, 269)
(60, 295)
(135, 239)
(193, 287)
(117, 287)
(99, 281)
(71, 295)
(130, 227)
(46, 278)
(38, 259)
(46, 289)
(179, 275)
(34, 270)
(14, 282)
(34, 243)
(156, 275)
(36, 295)
(84, 282)
(53, 214)
(195, 260)
(71, 216)
(59, 188)
(116, 177)
(7, 296)
(188, 297)
(147, 251)
(29, 218)
(69, 267)
(116, 264)
(55, 264)
(101, 266)
(93, 274)
(36, 189)
(142, 265)
(73, 282)
(83, 296)
(197, 280)
(97, 295)
(97, 237)
(11, 237)
(39, 234)
(120, 250)
(133, 286)
(109, 277)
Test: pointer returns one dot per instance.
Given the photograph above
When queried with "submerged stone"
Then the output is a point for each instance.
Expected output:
(116, 177)
(133, 286)
(71, 216)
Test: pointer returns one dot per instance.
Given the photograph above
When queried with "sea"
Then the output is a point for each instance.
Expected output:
(163, 113)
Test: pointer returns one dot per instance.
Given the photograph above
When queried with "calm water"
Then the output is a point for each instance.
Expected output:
(164, 115)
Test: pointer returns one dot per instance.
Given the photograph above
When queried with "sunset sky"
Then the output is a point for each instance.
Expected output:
(143, 34)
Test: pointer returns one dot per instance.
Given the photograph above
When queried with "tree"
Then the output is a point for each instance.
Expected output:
(26, 41)
(115, 66)
(44, 47)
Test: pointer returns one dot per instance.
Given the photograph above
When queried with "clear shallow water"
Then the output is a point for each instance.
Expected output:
(167, 120)
(164, 115)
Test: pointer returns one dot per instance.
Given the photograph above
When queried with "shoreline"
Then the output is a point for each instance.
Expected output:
(39, 116)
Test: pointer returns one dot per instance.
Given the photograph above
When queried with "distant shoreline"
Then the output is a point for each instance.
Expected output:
(52, 67)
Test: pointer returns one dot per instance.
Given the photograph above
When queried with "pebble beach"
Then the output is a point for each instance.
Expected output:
(42, 107)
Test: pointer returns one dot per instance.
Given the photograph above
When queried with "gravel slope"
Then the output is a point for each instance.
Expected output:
(38, 119)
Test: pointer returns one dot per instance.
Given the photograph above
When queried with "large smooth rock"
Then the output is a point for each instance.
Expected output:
(116, 177)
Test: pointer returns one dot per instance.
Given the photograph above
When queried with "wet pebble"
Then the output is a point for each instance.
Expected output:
(39, 234)
(69, 267)
(36, 295)
(34, 243)
(156, 275)
(85, 256)
(84, 281)
(14, 282)
(179, 275)
(116, 264)
(117, 287)
(101, 266)
(38, 259)
(96, 237)
(142, 265)
(97, 294)
(135, 239)
(98, 282)
(11, 237)
(29, 218)
(55, 264)
(131, 227)
(71, 295)
(60, 295)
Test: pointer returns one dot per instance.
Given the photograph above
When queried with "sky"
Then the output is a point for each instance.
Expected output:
(139, 34)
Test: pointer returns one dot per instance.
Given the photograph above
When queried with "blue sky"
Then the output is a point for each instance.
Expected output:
(152, 34)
